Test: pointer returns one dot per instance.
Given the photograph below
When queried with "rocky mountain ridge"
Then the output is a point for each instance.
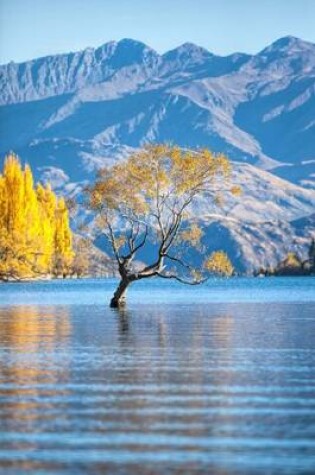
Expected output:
(68, 115)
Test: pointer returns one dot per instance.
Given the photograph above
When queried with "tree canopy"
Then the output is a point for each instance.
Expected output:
(35, 237)
(143, 205)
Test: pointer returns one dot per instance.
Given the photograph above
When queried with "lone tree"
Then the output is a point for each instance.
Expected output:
(143, 206)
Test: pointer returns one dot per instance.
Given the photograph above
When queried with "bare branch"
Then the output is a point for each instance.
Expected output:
(182, 280)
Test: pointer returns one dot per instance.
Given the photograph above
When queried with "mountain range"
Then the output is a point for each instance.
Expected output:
(69, 114)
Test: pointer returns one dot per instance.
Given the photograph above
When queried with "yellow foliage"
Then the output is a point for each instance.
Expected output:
(63, 240)
(192, 235)
(219, 263)
(157, 176)
(236, 190)
(292, 260)
(150, 198)
(34, 226)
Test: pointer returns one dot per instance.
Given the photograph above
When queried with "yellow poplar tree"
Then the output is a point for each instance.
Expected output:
(14, 255)
(63, 240)
(34, 226)
(48, 201)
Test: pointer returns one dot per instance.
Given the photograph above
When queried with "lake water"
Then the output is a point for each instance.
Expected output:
(217, 379)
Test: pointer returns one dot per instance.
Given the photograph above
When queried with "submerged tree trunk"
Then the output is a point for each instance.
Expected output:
(119, 298)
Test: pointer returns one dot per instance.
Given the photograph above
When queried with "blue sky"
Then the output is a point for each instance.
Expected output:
(33, 28)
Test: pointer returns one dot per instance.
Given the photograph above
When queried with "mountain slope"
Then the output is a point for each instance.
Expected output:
(124, 94)
(70, 114)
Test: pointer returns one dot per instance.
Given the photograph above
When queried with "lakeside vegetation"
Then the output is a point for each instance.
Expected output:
(140, 206)
(35, 235)
(293, 265)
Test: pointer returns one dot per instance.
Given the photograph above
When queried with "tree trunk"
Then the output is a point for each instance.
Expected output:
(119, 298)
